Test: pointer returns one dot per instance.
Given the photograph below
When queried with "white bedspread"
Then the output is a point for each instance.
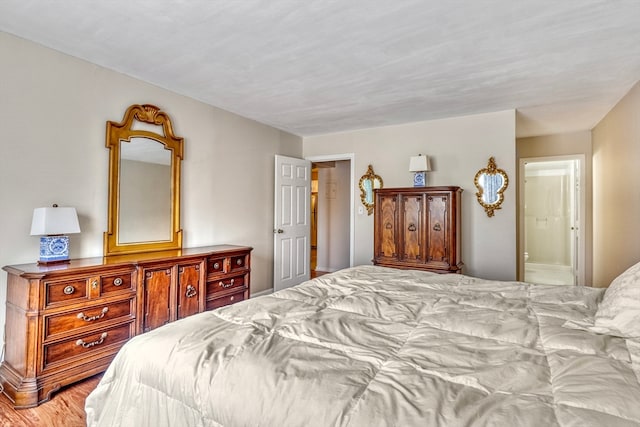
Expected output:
(372, 346)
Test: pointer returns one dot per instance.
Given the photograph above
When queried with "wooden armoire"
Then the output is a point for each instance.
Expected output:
(418, 228)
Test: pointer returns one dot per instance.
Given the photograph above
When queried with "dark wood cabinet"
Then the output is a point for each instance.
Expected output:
(418, 228)
(171, 292)
(66, 322)
(156, 290)
(189, 287)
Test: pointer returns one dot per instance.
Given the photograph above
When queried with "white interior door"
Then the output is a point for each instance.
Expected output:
(577, 225)
(292, 228)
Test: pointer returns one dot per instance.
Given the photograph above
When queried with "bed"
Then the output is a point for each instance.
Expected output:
(375, 346)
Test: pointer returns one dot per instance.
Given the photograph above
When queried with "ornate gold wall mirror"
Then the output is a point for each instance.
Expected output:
(491, 183)
(369, 182)
(144, 183)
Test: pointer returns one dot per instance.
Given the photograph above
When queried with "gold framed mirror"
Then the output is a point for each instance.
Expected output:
(369, 182)
(491, 183)
(144, 183)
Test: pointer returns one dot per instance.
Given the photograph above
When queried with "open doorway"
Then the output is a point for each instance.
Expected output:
(331, 216)
(314, 220)
(552, 215)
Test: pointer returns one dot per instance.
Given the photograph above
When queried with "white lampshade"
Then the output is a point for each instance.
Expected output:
(419, 164)
(54, 220)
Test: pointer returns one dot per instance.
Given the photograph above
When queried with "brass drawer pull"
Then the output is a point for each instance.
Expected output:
(86, 318)
(117, 281)
(94, 284)
(226, 285)
(191, 291)
(68, 290)
(412, 227)
(91, 344)
(437, 227)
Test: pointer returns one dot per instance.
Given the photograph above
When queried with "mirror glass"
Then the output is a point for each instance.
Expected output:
(369, 185)
(368, 190)
(369, 182)
(491, 183)
(144, 183)
(145, 191)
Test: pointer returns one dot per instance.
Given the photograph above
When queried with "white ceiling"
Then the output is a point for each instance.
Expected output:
(312, 67)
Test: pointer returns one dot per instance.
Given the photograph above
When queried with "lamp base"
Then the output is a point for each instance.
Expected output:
(420, 179)
(54, 249)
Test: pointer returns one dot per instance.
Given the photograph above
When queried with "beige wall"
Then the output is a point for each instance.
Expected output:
(458, 147)
(53, 110)
(616, 198)
(562, 145)
(333, 216)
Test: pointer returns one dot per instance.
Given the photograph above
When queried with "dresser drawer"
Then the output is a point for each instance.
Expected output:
(87, 317)
(116, 283)
(84, 345)
(224, 284)
(227, 264)
(227, 300)
(66, 291)
(216, 265)
(239, 262)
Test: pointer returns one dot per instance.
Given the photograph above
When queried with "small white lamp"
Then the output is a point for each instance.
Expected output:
(420, 166)
(52, 224)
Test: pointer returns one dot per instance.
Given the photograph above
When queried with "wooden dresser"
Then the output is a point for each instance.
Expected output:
(418, 228)
(66, 322)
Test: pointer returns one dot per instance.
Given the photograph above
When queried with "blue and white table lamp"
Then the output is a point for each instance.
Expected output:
(420, 166)
(53, 224)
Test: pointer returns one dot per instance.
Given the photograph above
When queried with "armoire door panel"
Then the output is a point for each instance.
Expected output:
(413, 232)
(438, 229)
(386, 227)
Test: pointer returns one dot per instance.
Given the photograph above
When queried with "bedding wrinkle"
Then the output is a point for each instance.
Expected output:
(353, 404)
(372, 346)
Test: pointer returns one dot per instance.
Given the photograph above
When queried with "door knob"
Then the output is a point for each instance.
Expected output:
(279, 231)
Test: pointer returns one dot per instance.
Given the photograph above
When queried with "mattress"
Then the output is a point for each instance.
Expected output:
(375, 346)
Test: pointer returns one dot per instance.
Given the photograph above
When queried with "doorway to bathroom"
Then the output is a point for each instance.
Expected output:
(552, 215)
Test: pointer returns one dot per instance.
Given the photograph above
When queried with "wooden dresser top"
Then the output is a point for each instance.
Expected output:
(35, 270)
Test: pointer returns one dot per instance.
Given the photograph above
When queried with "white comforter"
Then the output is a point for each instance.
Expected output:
(372, 346)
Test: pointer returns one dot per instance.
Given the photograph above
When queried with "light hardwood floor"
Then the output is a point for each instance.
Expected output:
(65, 409)
(314, 262)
